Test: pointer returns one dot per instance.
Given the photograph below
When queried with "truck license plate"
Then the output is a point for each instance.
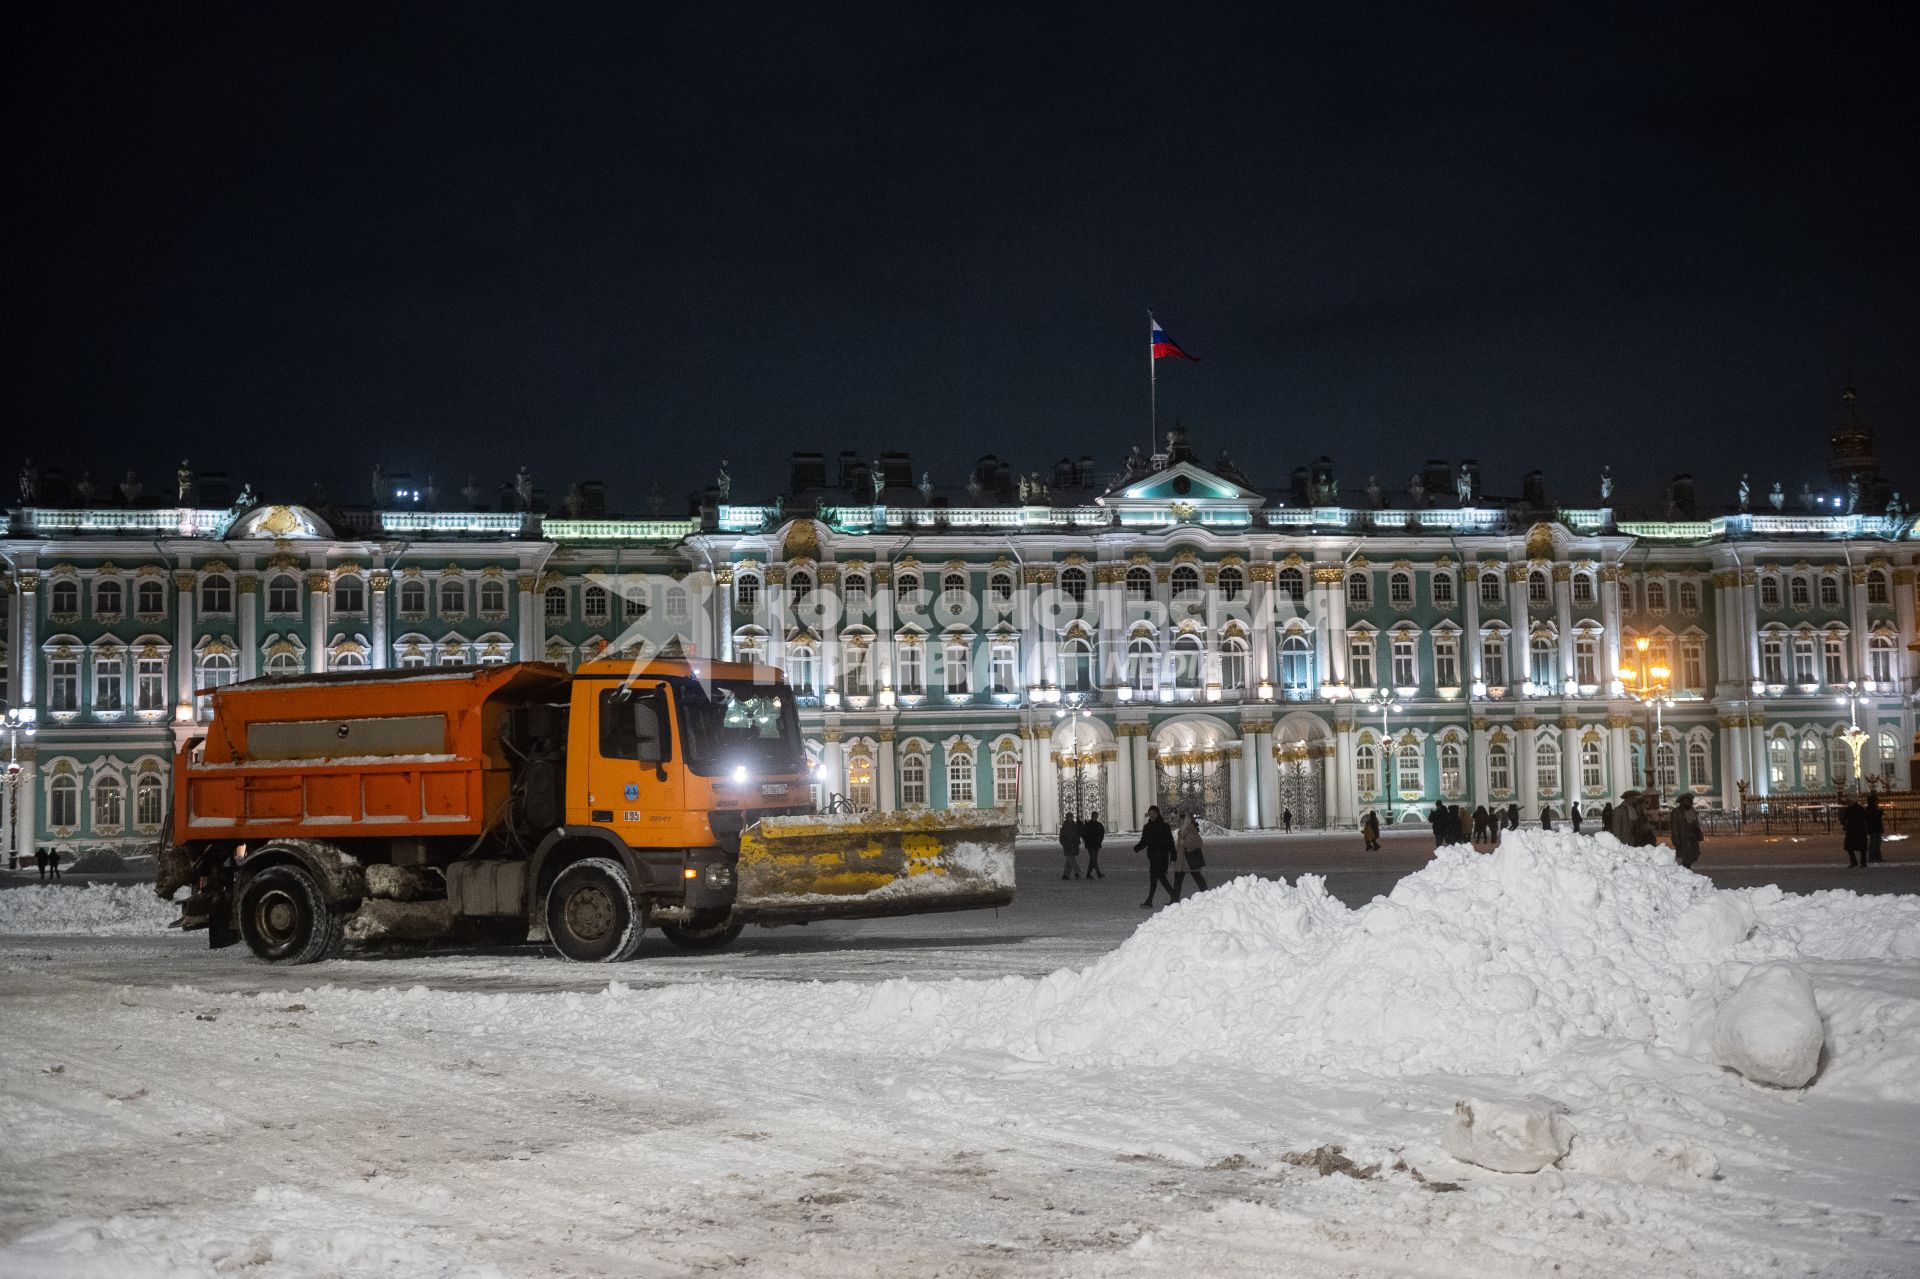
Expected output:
(773, 788)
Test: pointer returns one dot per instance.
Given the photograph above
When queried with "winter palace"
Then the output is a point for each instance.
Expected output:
(1052, 642)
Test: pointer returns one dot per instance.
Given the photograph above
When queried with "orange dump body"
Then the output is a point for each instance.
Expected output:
(383, 754)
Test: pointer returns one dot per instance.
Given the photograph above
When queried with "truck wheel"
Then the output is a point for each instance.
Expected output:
(285, 918)
(592, 914)
(698, 940)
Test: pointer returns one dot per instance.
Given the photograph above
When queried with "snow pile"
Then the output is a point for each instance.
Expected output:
(97, 910)
(1769, 1029)
(1509, 1136)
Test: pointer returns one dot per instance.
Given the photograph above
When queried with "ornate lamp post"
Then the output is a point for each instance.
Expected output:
(1073, 709)
(1652, 687)
(1387, 705)
(18, 722)
(1855, 737)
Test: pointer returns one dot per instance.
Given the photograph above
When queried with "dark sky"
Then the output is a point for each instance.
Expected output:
(626, 241)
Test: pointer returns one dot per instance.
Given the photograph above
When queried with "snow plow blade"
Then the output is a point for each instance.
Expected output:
(796, 869)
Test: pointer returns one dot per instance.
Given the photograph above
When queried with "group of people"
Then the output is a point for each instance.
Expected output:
(1863, 825)
(1631, 821)
(47, 862)
(1167, 849)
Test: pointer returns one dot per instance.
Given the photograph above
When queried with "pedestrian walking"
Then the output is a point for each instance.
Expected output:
(1480, 821)
(1853, 825)
(40, 863)
(1093, 834)
(1606, 817)
(1370, 831)
(1513, 816)
(1876, 827)
(1632, 825)
(1070, 847)
(1687, 835)
(1286, 821)
(1438, 823)
(53, 863)
(1156, 841)
(1188, 857)
(1574, 818)
(1546, 817)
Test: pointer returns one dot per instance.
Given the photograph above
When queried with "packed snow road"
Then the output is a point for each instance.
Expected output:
(1066, 1108)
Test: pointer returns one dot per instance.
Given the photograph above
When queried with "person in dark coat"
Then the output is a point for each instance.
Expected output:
(53, 864)
(1853, 824)
(40, 863)
(1188, 856)
(1513, 817)
(1876, 827)
(1370, 831)
(1687, 835)
(1480, 820)
(1156, 841)
(1093, 834)
(1437, 823)
(1286, 820)
(1070, 847)
(1574, 818)
(1606, 817)
(1546, 817)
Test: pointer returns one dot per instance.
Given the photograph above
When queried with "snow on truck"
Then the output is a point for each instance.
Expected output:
(509, 802)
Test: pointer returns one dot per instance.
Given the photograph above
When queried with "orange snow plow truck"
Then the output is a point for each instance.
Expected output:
(512, 802)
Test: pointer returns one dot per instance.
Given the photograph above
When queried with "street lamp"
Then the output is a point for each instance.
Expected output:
(1387, 706)
(19, 721)
(1855, 737)
(1652, 687)
(1073, 709)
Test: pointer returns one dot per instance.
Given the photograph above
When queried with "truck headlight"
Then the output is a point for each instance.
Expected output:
(719, 875)
(739, 774)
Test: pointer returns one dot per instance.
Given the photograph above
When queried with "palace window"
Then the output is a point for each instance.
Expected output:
(956, 660)
(912, 670)
(1699, 766)
(1446, 660)
(109, 685)
(746, 592)
(1583, 592)
(676, 595)
(854, 676)
(802, 670)
(1359, 590)
(1693, 662)
(1547, 766)
(1005, 668)
(1233, 663)
(1586, 658)
(453, 597)
(1539, 588)
(1366, 770)
(1406, 670)
(1889, 747)
(1877, 591)
(1829, 591)
(913, 781)
(1690, 597)
(906, 591)
(1296, 668)
(860, 781)
(1880, 659)
(1493, 659)
(150, 684)
(1769, 591)
(1185, 581)
(1006, 779)
(1139, 582)
(554, 603)
(1292, 584)
(351, 657)
(1187, 653)
(633, 602)
(799, 587)
(216, 594)
(493, 597)
(1232, 583)
(149, 597)
(1407, 770)
(349, 594)
(413, 597)
(216, 670)
(1499, 768)
(1813, 773)
(1545, 655)
(108, 599)
(148, 803)
(1803, 666)
(1656, 590)
(1360, 660)
(1490, 587)
(109, 804)
(63, 802)
(1591, 779)
(1799, 591)
(63, 600)
(1076, 667)
(1779, 762)
(283, 594)
(1452, 778)
(1836, 655)
(1073, 584)
(1400, 588)
(960, 769)
(595, 603)
(855, 591)
(1666, 766)
(1443, 590)
(953, 591)
(1142, 658)
(63, 684)
(1000, 584)
(1773, 658)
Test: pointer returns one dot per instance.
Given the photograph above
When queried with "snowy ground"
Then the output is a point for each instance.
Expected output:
(969, 1094)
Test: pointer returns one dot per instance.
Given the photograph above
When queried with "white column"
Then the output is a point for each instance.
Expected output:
(1143, 792)
(8, 837)
(26, 833)
(377, 610)
(1260, 601)
(532, 618)
(1346, 778)
(26, 660)
(1610, 621)
(1049, 788)
(1569, 765)
(1482, 795)
(317, 621)
(833, 617)
(1470, 590)
(1860, 622)
(1906, 659)
(1520, 651)
(1266, 779)
(1029, 782)
(1124, 815)
(1732, 762)
(1750, 622)
(885, 611)
(183, 582)
(1563, 618)
(723, 603)
(1620, 755)
(1336, 610)
(247, 597)
(833, 757)
(777, 609)
(886, 766)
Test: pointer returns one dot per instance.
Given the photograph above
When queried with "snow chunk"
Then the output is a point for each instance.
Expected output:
(97, 910)
(1509, 1136)
(1769, 1029)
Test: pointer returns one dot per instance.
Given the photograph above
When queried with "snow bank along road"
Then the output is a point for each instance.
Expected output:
(1169, 1107)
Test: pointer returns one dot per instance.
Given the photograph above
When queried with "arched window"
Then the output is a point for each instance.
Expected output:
(63, 600)
(1140, 582)
(1877, 591)
(1889, 748)
(913, 781)
(349, 593)
(1779, 762)
(633, 601)
(1813, 772)
(1499, 769)
(1799, 591)
(1547, 766)
(1073, 583)
(216, 593)
(1583, 590)
(1689, 597)
(1699, 767)
(1006, 779)
(1233, 664)
(1840, 761)
(1142, 659)
(1187, 655)
(1359, 590)
(413, 597)
(1291, 583)
(1880, 659)
(149, 802)
(554, 603)
(1539, 587)
(348, 658)
(1296, 667)
(453, 596)
(906, 590)
(282, 661)
(216, 670)
(109, 600)
(493, 597)
(1366, 770)
(746, 593)
(1400, 588)
(1591, 777)
(1769, 591)
(956, 667)
(1001, 585)
(63, 802)
(1452, 776)
(802, 670)
(676, 596)
(1544, 655)
(1666, 766)
(1076, 667)
(1185, 581)
(1442, 589)
(953, 591)
(1490, 589)
(595, 603)
(960, 769)
(860, 780)
(1829, 591)
(109, 804)
(855, 594)
(1407, 770)
(1656, 596)
(1232, 582)
(150, 597)
(799, 587)
(283, 593)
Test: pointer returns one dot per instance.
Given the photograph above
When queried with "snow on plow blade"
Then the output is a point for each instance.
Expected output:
(795, 869)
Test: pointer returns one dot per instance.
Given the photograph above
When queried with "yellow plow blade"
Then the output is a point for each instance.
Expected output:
(794, 869)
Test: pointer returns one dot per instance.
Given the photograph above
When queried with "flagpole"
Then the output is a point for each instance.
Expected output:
(1153, 392)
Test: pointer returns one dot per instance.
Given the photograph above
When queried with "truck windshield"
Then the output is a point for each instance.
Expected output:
(730, 723)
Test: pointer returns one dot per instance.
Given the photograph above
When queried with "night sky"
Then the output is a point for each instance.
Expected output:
(627, 241)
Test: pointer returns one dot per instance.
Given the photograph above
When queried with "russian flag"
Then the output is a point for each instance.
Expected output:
(1163, 346)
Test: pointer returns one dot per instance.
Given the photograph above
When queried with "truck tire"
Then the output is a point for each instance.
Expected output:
(285, 918)
(593, 916)
(701, 940)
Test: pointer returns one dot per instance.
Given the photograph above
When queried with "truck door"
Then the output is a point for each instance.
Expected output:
(634, 783)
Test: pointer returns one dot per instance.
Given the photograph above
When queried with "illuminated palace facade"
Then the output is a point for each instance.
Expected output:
(1051, 643)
